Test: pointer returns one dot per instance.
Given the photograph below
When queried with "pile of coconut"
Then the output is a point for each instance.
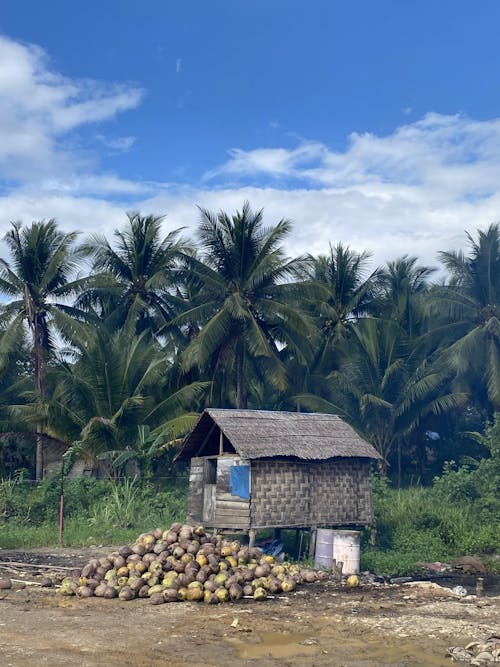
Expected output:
(186, 563)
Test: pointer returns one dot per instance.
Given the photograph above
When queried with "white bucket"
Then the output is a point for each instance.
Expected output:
(323, 555)
(346, 549)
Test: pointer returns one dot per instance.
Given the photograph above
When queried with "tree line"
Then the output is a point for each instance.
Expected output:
(112, 346)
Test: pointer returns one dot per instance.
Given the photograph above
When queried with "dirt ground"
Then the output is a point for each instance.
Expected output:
(317, 625)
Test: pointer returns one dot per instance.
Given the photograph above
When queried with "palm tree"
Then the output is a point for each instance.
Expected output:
(381, 388)
(136, 277)
(343, 293)
(246, 311)
(114, 391)
(402, 287)
(467, 310)
(39, 280)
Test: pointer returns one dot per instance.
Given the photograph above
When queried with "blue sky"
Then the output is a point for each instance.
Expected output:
(372, 123)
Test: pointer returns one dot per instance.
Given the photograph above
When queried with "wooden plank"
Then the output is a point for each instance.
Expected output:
(232, 504)
(230, 519)
(229, 498)
(221, 523)
(209, 502)
(239, 516)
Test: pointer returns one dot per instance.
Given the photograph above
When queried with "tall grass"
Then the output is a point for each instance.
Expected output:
(421, 524)
(96, 512)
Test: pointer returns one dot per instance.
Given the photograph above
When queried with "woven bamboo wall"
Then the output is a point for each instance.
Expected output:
(280, 493)
(340, 492)
(287, 493)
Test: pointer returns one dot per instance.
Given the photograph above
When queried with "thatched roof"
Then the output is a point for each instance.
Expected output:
(257, 434)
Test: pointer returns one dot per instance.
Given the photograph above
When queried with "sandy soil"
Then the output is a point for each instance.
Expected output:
(318, 625)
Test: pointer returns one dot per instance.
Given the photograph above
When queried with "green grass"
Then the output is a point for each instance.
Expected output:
(96, 512)
(426, 524)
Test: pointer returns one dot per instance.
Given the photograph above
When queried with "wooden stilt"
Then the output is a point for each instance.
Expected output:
(251, 538)
(312, 541)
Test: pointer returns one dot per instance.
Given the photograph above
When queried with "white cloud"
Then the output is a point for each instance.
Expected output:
(118, 143)
(38, 107)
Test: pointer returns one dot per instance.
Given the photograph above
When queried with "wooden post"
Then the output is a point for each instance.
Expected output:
(312, 541)
(251, 537)
(221, 442)
(277, 533)
(337, 569)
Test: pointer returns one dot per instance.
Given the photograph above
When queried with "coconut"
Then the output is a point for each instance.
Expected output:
(222, 594)
(207, 548)
(193, 547)
(126, 594)
(260, 594)
(160, 546)
(84, 592)
(262, 570)
(155, 567)
(210, 586)
(288, 585)
(100, 590)
(143, 592)
(136, 585)
(185, 579)
(274, 585)
(157, 598)
(119, 562)
(68, 587)
(194, 594)
(201, 559)
(221, 578)
(110, 592)
(139, 549)
(178, 552)
(179, 566)
(201, 576)
(125, 551)
(247, 590)
(210, 598)
(170, 595)
(182, 594)
(47, 582)
(170, 536)
(235, 592)
(88, 570)
(309, 576)
(186, 532)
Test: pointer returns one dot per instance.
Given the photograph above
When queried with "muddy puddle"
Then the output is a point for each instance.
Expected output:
(345, 651)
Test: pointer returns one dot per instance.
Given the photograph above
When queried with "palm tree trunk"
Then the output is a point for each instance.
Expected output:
(241, 393)
(40, 387)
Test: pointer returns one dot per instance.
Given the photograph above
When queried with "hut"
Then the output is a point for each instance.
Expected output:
(254, 469)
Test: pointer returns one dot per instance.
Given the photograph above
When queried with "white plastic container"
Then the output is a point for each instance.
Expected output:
(346, 548)
(323, 555)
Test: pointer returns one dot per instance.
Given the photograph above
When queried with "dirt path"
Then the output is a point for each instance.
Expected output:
(318, 625)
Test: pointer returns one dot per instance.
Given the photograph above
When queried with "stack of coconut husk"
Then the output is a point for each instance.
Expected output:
(186, 563)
